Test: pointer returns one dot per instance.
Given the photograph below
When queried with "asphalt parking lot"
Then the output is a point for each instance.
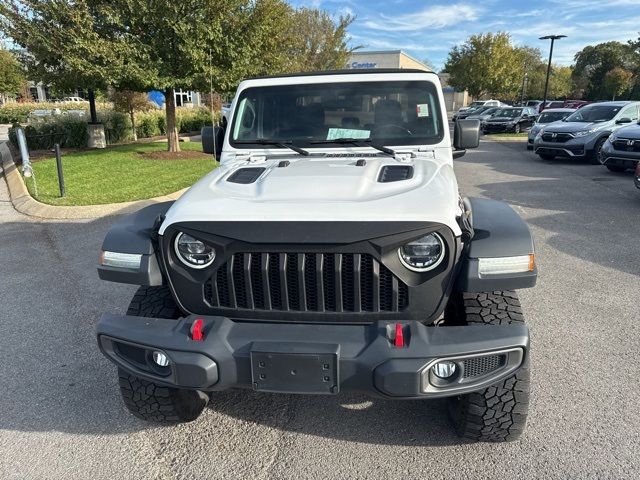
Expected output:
(61, 415)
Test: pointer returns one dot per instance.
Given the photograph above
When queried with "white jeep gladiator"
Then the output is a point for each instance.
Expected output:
(329, 251)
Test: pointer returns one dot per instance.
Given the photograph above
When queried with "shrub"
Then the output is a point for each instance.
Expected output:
(147, 123)
(117, 126)
(19, 112)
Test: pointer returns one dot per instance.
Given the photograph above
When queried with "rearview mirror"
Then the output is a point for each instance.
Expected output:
(623, 120)
(466, 134)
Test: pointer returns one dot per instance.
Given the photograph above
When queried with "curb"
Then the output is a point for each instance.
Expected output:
(25, 204)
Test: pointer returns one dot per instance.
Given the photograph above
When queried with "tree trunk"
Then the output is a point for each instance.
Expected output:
(172, 131)
(133, 124)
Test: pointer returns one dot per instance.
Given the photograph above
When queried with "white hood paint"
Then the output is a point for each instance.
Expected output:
(323, 189)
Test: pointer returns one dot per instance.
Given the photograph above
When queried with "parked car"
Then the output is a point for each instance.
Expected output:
(510, 119)
(621, 151)
(575, 103)
(477, 104)
(475, 112)
(583, 133)
(550, 115)
(551, 104)
(43, 113)
(484, 114)
(279, 272)
(535, 104)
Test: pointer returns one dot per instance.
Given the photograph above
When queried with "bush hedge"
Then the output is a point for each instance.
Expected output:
(71, 131)
(19, 112)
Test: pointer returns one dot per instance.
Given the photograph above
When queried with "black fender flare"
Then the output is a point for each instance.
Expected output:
(136, 233)
(498, 231)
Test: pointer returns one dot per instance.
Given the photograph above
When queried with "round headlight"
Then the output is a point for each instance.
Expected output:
(423, 254)
(193, 252)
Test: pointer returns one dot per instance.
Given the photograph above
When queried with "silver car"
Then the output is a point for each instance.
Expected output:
(583, 133)
(545, 118)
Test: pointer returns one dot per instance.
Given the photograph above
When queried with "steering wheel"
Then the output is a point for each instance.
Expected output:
(391, 128)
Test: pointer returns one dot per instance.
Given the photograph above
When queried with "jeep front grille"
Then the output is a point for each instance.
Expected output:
(316, 282)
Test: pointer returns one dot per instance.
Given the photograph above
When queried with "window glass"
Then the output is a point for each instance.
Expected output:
(391, 113)
(594, 113)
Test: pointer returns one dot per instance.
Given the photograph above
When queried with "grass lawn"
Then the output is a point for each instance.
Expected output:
(119, 174)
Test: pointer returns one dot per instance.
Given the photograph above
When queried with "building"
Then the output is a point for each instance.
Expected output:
(399, 59)
(384, 59)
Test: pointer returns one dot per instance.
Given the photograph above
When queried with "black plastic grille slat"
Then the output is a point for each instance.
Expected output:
(478, 366)
(395, 173)
(306, 282)
(622, 144)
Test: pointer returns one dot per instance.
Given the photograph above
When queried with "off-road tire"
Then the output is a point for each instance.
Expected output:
(155, 302)
(546, 156)
(148, 400)
(156, 403)
(499, 412)
(594, 156)
(616, 168)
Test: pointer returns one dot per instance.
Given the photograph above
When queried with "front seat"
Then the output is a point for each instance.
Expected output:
(387, 114)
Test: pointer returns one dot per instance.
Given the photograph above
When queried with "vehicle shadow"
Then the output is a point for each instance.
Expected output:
(347, 416)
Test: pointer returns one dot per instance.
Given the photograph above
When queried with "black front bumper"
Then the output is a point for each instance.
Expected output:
(314, 358)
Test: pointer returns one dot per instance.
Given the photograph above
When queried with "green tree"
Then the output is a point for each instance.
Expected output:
(486, 64)
(12, 78)
(617, 81)
(595, 61)
(130, 102)
(318, 40)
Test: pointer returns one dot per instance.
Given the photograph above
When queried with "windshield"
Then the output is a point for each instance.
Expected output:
(548, 117)
(508, 112)
(594, 113)
(533, 103)
(476, 104)
(390, 113)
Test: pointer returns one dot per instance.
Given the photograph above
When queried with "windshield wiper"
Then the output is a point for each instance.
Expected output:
(358, 143)
(265, 141)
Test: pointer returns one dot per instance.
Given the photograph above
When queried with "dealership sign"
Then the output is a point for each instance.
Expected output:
(363, 65)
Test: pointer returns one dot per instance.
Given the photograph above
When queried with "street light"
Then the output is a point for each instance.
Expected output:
(553, 38)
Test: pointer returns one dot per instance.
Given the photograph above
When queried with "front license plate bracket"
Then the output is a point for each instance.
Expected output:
(305, 370)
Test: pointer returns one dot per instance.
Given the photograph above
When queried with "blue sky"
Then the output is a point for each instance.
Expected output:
(428, 29)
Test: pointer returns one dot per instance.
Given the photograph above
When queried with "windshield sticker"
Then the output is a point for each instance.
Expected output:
(422, 109)
(335, 133)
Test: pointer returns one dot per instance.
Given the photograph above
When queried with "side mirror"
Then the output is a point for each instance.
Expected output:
(623, 120)
(212, 140)
(466, 134)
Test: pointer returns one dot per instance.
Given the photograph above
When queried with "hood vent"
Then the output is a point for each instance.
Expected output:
(395, 173)
(246, 175)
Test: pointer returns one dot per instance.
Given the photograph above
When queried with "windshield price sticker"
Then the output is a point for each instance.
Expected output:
(422, 109)
(334, 133)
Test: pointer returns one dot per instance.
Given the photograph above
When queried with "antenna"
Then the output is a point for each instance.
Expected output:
(213, 117)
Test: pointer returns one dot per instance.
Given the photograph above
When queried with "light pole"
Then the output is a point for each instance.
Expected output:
(553, 38)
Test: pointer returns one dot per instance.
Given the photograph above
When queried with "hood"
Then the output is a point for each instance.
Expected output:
(571, 127)
(324, 189)
(631, 131)
(502, 119)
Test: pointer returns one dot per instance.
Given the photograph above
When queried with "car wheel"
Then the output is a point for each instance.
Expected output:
(148, 400)
(616, 168)
(516, 129)
(529, 147)
(499, 412)
(596, 157)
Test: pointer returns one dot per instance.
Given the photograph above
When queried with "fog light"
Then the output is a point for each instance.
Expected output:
(160, 358)
(444, 369)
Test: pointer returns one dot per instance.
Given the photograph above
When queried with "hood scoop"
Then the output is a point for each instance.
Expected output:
(246, 175)
(395, 173)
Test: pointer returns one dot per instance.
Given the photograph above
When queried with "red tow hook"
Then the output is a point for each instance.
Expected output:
(399, 338)
(197, 334)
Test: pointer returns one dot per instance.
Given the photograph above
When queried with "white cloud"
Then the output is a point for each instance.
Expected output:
(437, 16)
